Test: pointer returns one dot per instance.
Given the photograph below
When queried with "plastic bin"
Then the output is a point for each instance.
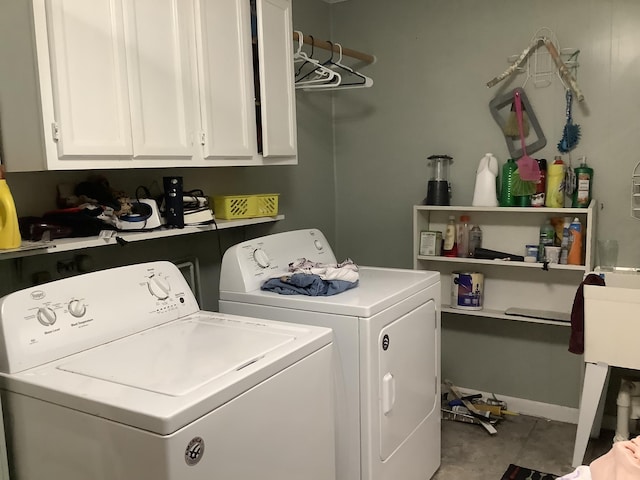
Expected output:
(229, 207)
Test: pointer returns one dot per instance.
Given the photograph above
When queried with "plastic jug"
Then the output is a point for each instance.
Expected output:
(9, 229)
(450, 246)
(555, 184)
(575, 243)
(582, 192)
(507, 198)
(484, 194)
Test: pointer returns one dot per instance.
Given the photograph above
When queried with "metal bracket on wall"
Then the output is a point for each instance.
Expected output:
(566, 75)
(541, 67)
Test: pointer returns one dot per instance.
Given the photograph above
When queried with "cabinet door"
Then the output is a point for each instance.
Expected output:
(162, 77)
(277, 94)
(89, 78)
(227, 101)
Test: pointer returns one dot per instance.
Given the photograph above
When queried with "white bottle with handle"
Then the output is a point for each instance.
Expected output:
(484, 194)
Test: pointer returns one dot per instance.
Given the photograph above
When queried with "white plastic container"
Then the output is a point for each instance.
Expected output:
(462, 231)
(484, 194)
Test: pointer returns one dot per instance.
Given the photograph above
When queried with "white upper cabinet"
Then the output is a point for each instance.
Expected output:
(88, 79)
(246, 80)
(162, 77)
(277, 100)
(122, 78)
(227, 100)
(145, 83)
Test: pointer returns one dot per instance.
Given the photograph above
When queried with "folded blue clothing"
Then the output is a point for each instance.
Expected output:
(306, 284)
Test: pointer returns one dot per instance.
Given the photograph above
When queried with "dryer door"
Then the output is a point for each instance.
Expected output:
(407, 374)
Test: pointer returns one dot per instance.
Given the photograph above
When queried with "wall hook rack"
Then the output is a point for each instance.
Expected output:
(568, 78)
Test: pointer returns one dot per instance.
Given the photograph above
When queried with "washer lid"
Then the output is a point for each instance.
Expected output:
(378, 289)
(178, 358)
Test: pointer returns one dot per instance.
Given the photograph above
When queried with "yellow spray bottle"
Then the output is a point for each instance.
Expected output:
(9, 229)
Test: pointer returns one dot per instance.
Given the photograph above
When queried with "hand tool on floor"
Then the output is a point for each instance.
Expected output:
(493, 409)
(458, 416)
(482, 417)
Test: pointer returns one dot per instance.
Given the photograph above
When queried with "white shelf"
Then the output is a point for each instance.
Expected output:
(70, 244)
(509, 284)
(504, 210)
(499, 314)
(502, 263)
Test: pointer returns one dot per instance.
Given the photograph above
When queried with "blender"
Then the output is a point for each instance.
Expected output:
(438, 188)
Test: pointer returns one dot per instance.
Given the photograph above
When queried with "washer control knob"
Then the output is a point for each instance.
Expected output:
(77, 308)
(261, 258)
(318, 244)
(46, 316)
(159, 287)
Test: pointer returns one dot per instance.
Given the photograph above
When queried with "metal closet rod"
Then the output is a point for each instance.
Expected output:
(308, 40)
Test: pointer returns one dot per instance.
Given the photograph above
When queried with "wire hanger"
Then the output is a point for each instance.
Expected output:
(324, 76)
(318, 75)
(362, 81)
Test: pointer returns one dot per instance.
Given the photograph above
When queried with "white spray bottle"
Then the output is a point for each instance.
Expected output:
(484, 194)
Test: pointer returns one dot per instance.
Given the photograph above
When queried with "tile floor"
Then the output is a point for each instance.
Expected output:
(470, 453)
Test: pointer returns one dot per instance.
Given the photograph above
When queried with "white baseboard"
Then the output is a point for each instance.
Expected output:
(549, 411)
(531, 407)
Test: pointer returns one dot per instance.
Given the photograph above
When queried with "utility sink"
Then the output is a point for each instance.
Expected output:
(611, 332)
(612, 319)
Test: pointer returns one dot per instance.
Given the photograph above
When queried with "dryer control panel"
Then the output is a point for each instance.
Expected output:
(247, 265)
(60, 318)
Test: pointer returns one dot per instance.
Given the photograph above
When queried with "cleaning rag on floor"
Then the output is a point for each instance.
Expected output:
(305, 277)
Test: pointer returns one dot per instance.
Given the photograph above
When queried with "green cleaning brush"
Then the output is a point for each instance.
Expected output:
(570, 132)
(522, 187)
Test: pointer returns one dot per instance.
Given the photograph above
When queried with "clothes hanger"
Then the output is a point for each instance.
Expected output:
(362, 81)
(312, 60)
(321, 74)
(299, 56)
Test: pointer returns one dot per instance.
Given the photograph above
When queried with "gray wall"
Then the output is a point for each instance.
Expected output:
(430, 96)
(434, 59)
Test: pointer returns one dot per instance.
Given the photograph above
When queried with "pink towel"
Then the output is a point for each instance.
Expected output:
(622, 462)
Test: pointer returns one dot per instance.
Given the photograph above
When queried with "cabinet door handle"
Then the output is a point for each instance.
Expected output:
(55, 132)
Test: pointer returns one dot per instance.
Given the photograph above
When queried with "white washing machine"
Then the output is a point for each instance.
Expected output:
(118, 375)
(387, 333)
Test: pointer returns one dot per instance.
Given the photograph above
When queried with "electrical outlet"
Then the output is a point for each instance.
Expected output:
(66, 266)
(38, 278)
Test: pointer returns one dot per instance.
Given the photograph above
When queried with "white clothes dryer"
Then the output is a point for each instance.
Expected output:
(118, 375)
(387, 334)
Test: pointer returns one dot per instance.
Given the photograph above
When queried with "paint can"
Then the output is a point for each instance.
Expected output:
(467, 290)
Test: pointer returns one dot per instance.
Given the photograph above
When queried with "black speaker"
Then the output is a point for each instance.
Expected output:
(173, 208)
